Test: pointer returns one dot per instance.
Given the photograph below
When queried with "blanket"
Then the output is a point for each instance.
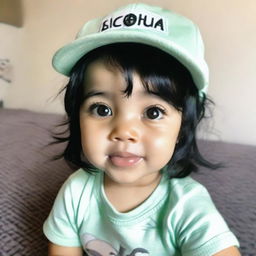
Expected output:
(30, 180)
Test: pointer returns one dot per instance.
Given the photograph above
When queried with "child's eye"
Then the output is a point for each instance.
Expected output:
(100, 109)
(154, 113)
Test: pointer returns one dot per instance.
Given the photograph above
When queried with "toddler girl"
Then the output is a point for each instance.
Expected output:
(136, 94)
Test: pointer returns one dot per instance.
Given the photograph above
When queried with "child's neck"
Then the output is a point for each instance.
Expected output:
(125, 198)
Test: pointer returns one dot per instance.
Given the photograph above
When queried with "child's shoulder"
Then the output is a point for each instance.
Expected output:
(188, 202)
(78, 187)
(186, 189)
(78, 175)
(185, 183)
(78, 180)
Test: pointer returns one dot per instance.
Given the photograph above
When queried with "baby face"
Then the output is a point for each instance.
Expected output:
(129, 138)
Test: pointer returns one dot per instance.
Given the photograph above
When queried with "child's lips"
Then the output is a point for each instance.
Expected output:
(124, 159)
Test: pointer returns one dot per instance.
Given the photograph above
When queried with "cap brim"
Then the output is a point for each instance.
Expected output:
(66, 57)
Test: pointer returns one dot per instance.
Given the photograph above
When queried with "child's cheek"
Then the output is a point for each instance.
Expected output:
(91, 140)
(164, 147)
(162, 141)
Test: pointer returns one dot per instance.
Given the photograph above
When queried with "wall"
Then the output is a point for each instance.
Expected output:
(228, 28)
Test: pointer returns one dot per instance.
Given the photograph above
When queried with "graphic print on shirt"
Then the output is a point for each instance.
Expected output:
(97, 247)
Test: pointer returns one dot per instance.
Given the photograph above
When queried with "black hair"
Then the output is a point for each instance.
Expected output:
(159, 72)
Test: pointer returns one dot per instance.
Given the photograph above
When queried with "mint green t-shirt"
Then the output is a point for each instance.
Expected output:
(179, 218)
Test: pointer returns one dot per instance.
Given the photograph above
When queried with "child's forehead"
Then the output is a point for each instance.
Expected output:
(101, 76)
(99, 72)
(101, 66)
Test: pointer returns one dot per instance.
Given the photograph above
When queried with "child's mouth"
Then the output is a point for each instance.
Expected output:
(124, 159)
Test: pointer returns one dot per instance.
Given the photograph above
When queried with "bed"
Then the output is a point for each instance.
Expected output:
(29, 181)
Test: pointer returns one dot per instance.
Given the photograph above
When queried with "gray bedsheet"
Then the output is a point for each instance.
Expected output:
(29, 182)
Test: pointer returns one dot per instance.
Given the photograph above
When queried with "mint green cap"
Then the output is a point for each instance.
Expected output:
(145, 24)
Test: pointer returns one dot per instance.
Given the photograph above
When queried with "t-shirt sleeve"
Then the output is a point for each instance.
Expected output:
(201, 230)
(61, 227)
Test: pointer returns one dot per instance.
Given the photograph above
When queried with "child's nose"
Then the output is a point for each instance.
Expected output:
(125, 131)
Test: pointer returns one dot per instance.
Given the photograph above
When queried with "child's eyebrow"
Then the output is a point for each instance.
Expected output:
(153, 94)
(157, 95)
(105, 94)
(94, 93)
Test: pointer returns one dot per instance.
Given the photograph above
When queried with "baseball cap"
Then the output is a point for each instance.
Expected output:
(145, 24)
